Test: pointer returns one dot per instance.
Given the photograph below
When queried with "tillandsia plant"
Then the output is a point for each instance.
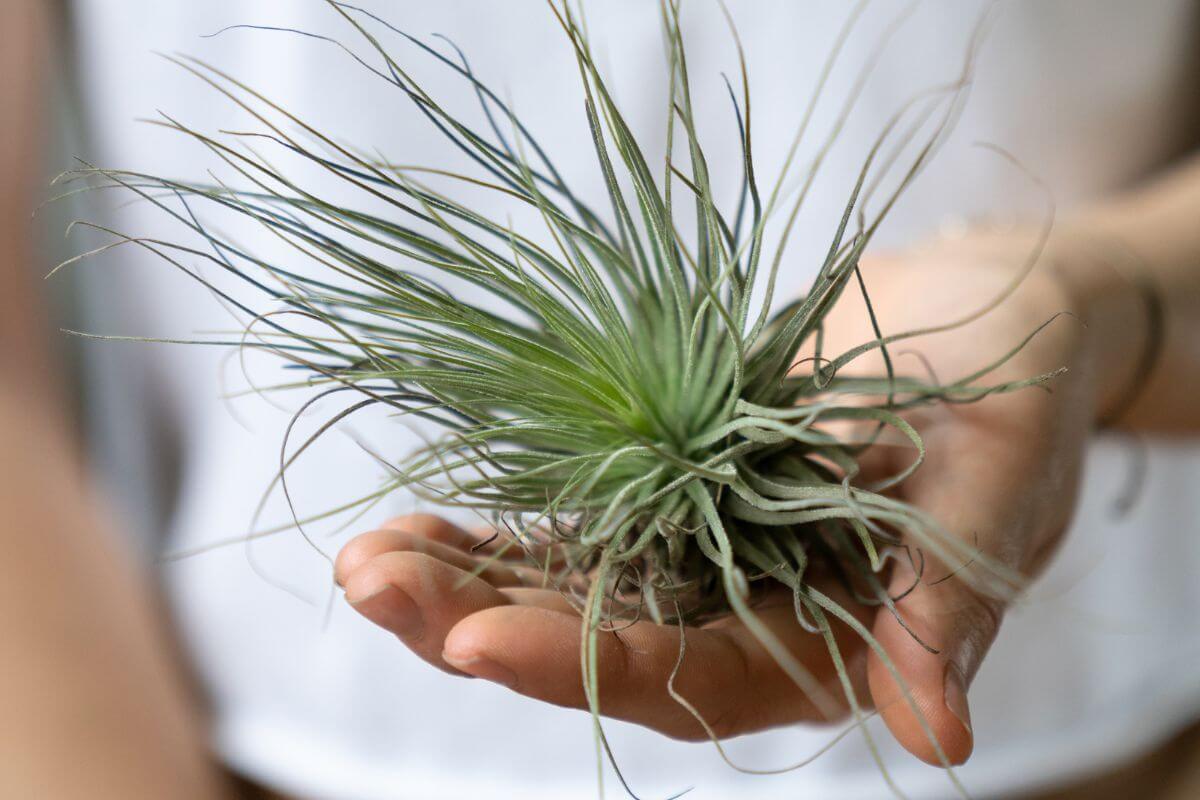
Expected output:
(630, 406)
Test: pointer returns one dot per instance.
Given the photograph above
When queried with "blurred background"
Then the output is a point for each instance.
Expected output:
(215, 674)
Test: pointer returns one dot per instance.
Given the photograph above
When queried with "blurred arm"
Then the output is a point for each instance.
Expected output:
(1155, 231)
(91, 703)
(23, 351)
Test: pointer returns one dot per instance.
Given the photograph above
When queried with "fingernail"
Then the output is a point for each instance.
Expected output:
(392, 609)
(484, 668)
(955, 690)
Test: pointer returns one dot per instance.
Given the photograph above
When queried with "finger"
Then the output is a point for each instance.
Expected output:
(418, 598)
(432, 526)
(550, 599)
(367, 546)
(961, 625)
(725, 674)
(945, 613)
(476, 541)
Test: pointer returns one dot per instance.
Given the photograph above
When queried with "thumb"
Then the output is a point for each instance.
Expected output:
(977, 483)
(960, 624)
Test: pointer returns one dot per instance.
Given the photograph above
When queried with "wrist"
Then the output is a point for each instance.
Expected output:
(1118, 310)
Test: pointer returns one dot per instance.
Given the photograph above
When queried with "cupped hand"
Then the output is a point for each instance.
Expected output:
(1001, 473)
(416, 578)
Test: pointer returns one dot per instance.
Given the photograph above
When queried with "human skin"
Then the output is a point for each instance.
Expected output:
(1002, 473)
(95, 705)
(93, 702)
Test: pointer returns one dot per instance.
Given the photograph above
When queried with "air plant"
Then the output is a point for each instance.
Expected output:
(629, 405)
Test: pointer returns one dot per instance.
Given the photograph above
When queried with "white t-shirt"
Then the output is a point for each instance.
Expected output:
(1093, 668)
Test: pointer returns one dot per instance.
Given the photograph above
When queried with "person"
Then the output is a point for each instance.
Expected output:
(106, 696)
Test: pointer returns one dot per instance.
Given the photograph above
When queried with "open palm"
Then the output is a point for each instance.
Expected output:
(1001, 473)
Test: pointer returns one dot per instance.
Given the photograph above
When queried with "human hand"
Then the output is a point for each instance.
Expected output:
(1001, 473)
(414, 578)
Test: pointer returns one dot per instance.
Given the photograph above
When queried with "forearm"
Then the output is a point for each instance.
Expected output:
(94, 703)
(24, 40)
(1150, 236)
(91, 701)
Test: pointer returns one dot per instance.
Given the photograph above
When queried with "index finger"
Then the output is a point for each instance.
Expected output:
(724, 673)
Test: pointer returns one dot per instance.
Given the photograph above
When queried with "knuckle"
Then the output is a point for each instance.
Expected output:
(984, 615)
(735, 712)
(688, 730)
(730, 720)
(978, 622)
